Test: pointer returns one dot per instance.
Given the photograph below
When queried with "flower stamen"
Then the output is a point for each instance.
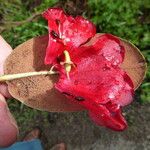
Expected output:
(67, 63)
(59, 28)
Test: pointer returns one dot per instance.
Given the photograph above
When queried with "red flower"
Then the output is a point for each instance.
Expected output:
(96, 82)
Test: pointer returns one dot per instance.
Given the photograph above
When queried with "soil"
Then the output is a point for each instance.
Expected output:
(80, 133)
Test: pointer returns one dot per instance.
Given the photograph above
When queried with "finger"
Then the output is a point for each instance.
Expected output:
(4, 90)
(8, 127)
(5, 50)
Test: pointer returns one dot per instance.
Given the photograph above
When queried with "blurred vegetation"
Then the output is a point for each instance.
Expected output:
(130, 19)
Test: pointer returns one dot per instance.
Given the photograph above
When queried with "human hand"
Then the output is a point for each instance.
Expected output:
(8, 126)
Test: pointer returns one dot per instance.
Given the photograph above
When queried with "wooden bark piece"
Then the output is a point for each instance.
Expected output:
(39, 92)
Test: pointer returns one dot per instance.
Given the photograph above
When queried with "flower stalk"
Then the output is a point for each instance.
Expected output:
(10, 77)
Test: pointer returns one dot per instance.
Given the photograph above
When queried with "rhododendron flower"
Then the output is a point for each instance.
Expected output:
(95, 80)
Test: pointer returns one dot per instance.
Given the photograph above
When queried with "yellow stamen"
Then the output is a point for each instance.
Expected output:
(67, 62)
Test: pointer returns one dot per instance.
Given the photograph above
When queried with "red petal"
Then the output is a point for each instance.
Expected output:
(97, 86)
(77, 31)
(72, 32)
(53, 14)
(105, 45)
(111, 119)
(54, 47)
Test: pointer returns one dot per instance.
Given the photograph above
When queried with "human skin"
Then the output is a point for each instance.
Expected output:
(8, 126)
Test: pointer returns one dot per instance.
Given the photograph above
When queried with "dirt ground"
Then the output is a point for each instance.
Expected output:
(79, 133)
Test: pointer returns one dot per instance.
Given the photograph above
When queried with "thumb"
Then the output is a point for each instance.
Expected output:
(8, 127)
(5, 50)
